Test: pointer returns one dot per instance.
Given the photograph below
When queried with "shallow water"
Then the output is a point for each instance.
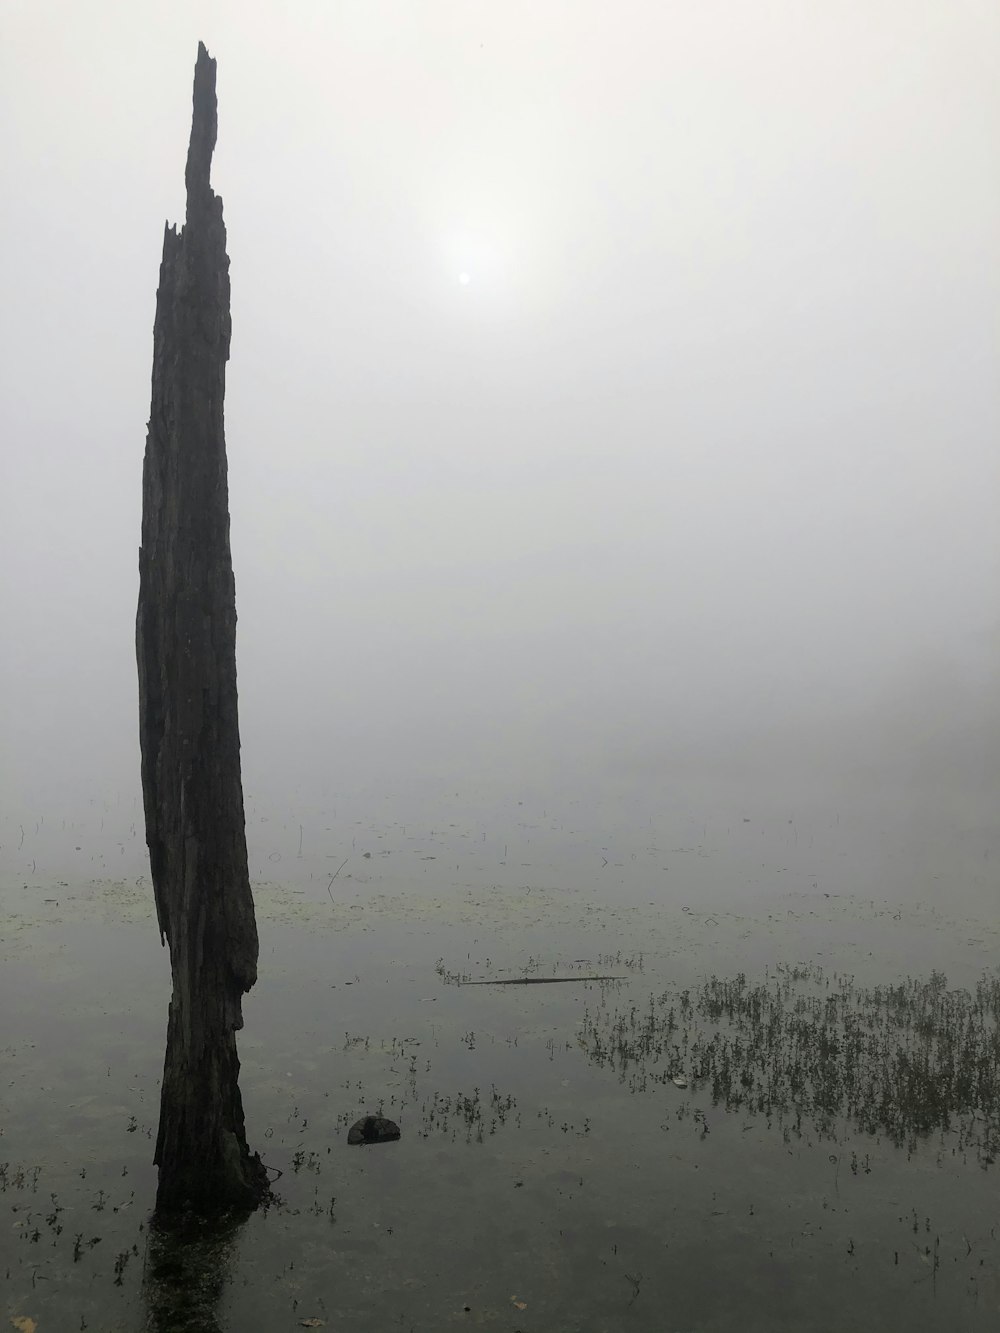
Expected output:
(534, 1186)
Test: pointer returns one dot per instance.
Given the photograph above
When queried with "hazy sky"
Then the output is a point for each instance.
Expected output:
(613, 386)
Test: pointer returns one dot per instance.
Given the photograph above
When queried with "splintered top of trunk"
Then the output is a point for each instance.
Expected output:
(204, 128)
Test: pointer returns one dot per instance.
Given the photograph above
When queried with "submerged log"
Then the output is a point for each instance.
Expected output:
(188, 724)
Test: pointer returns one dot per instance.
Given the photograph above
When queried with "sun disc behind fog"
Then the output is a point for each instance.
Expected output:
(464, 279)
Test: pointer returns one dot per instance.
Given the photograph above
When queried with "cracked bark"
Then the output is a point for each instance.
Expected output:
(188, 721)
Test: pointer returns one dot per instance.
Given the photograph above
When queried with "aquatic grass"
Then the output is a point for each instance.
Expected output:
(905, 1060)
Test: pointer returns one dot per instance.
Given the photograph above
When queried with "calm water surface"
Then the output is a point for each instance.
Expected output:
(536, 1184)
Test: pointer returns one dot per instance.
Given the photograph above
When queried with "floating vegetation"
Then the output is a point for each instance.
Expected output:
(905, 1061)
(471, 1116)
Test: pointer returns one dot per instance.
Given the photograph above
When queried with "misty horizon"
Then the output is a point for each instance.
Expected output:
(612, 399)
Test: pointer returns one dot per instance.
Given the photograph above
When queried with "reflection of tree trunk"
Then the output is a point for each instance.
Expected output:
(188, 725)
(188, 1266)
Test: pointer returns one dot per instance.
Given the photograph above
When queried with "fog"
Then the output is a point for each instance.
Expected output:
(613, 402)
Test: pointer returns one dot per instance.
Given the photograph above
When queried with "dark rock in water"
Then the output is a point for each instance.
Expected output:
(373, 1129)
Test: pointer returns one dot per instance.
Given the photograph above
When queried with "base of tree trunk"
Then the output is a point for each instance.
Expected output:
(201, 1149)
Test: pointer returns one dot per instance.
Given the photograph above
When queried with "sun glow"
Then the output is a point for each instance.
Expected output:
(479, 258)
(483, 256)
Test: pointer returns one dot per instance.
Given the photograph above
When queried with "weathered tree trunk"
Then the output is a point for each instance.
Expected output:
(188, 725)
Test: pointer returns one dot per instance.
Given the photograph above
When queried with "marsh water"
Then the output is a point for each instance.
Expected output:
(779, 1113)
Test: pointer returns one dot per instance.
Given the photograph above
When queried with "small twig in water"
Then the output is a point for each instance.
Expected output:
(334, 876)
(636, 1280)
(536, 981)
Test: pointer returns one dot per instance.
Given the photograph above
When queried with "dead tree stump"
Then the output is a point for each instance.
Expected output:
(188, 723)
